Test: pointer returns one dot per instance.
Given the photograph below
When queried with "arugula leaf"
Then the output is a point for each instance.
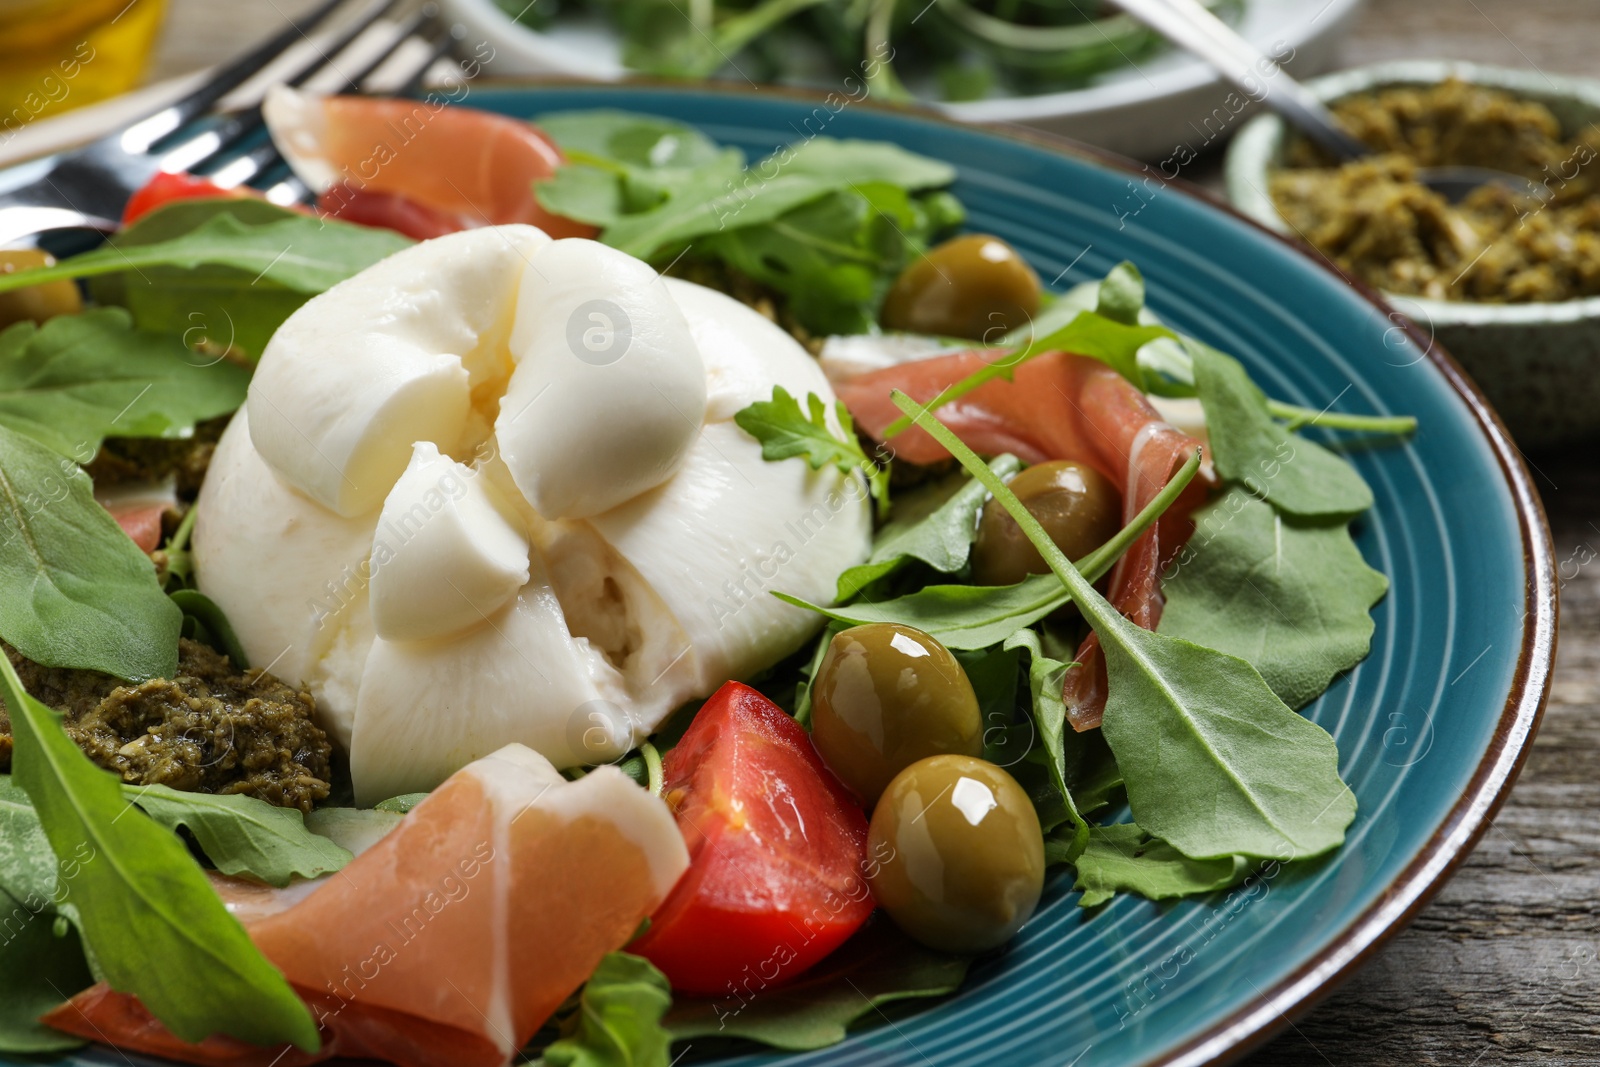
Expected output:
(354, 830)
(41, 961)
(243, 835)
(619, 1018)
(1248, 446)
(802, 690)
(631, 139)
(1290, 597)
(585, 193)
(969, 617)
(859, 162)
(1214, 763)
(80, 378)
(205, 622)
(785, 432)
(27, 866)
(74, 590)
(962, 617)
(137, 895)
(302, 253)
(1121, 294)
(707, 203)
(1050, 723)
(1124, 859)
(227, 271)
(941, 538)
(41, 958)
(402, 804)
(877, 966)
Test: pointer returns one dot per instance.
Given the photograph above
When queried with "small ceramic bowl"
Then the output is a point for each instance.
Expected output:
(1539, 364)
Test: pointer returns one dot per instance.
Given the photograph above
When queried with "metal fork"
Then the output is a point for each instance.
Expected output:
(88, 187)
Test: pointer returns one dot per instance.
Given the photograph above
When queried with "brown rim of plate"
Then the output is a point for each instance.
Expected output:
(1248, 1028)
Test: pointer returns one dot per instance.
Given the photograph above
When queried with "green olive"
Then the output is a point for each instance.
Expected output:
(885, 696)
(36, 302)
(975, 286)
(957, 856)
(1077, 506)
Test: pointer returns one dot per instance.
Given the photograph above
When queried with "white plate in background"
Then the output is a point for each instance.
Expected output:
(1145, 110)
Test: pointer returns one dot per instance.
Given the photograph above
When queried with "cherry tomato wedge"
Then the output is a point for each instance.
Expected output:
(777, 848)
(165, 188)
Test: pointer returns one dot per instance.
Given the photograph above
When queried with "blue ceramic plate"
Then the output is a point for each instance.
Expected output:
(1431, 728)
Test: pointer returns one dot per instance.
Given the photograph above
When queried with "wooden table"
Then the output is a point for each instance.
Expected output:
(1501, 967)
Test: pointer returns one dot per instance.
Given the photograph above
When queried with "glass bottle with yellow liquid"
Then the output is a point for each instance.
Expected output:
(56, 55)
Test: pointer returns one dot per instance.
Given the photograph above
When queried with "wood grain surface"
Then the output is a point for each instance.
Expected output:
(1501, 968)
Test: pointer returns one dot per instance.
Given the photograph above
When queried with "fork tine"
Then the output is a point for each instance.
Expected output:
(252, 163)
(404, 32)
(442, 39)
(142, 135)
(228, 134)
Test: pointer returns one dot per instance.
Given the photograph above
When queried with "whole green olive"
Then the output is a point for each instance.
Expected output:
(957, 854)
(974, 286)
(1077, 506)
(36, 302)
(885, 696)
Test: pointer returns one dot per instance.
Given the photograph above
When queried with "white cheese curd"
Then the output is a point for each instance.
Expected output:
(599, 336)
(455, 557)
(385, 359)
(489, 491)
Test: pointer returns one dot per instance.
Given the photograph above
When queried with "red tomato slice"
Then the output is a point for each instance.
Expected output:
(777, 853)
(165, 188)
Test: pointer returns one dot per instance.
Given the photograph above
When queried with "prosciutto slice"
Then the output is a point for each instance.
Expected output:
(1058, 407)
(450, 941)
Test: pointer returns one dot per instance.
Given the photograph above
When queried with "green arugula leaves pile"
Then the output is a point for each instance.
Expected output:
(78, 379)
(827, 224)
(74, 591)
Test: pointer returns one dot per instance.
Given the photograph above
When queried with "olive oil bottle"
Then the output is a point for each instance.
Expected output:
(56, 55)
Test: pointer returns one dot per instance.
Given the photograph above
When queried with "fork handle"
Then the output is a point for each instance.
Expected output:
(36, 209)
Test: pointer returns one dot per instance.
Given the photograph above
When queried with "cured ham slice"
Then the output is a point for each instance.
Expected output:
(460, 165)
(454, 937)
(139, 509)
(1058, 407)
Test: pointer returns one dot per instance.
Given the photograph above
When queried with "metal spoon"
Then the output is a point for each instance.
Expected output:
(1191, 27)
